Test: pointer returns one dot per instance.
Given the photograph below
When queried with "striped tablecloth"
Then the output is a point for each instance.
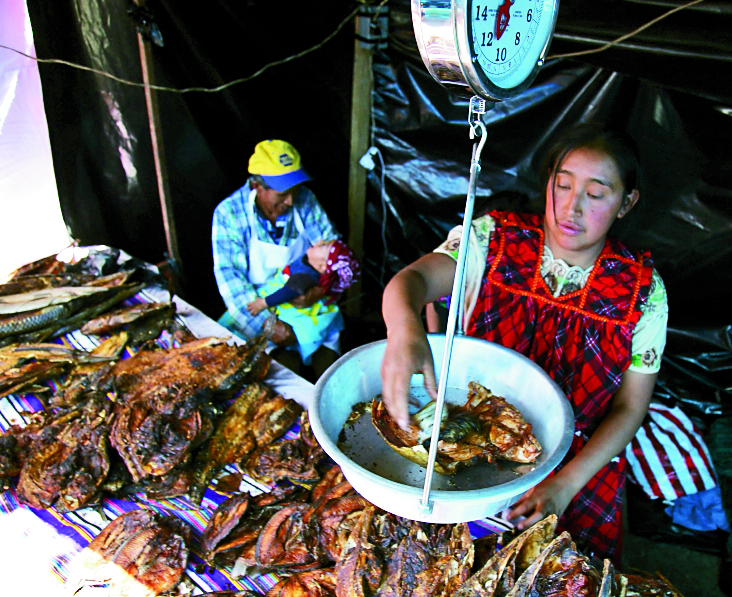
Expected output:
(37, 547)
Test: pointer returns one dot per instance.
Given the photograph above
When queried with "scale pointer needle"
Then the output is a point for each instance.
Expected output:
(502, 17)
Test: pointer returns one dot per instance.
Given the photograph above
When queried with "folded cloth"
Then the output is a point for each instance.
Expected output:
(668, 457)
(701, 511)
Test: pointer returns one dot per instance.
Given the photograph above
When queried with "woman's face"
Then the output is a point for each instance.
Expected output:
(586, 198)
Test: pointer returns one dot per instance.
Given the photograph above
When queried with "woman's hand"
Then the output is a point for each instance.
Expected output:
(551, 496)
(407, 352)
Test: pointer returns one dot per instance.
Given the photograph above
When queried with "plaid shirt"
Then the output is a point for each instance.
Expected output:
(230, 238)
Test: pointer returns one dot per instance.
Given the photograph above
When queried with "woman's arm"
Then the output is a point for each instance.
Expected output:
(407, 351)
(553, 494)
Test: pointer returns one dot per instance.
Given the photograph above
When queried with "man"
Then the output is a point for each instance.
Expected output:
(261, 228)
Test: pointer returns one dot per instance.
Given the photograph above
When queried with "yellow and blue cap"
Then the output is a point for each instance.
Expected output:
(278, 163)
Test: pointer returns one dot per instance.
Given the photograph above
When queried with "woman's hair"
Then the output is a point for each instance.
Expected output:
(615, 143)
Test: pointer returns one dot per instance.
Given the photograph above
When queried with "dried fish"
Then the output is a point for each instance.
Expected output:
(205, 362)
(103, 324)
(156, 434)
(41, 324)
(288, 541)
(35, 300)
(648, 585)
(233, 530)
(296, 460)
(332, 478)
(224, 519)
(291, 460)
(558, 570)
(138, 554)
(46, 265)
(69, 461)
(336, 518)
(486, 427)
(22, 367)
(54, 353)
(165, 402)
(313, 583)
(360, 569)
(39, 281)
(15, 445)
(428, 561)
(501, 569)
(255, 418)
(175, 483)
(30, 321)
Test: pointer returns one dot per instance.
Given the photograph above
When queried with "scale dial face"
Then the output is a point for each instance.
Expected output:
(508, 38)
(492, 48)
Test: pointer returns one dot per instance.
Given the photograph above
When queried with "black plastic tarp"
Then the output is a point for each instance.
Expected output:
(99, 130)
(669, 87)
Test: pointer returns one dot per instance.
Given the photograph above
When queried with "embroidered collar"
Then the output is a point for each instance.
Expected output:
(560, 277)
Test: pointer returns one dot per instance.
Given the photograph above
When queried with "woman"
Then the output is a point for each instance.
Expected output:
(591, 312)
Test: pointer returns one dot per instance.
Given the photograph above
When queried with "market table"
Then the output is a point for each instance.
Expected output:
(38, 547)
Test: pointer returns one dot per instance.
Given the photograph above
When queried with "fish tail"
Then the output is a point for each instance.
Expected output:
(32, 320)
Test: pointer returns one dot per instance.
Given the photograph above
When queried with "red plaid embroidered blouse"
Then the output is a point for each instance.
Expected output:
(582, 340)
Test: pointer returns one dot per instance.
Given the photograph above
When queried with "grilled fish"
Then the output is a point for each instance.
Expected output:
(486, 427)
(138, 554)
(255, 418)
(103, 324)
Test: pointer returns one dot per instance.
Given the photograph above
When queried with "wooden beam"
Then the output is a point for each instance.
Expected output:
(360, 140)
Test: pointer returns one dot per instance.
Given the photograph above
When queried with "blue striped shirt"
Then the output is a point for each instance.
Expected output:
(230, 237)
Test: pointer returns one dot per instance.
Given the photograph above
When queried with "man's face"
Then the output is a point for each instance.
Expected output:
(274, 204)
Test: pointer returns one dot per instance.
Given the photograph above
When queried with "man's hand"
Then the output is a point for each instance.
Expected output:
(309, 298)
(283, 334)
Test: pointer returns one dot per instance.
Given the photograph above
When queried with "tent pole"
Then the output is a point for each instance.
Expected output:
(360, 117)
(370, 24)
(171, 267)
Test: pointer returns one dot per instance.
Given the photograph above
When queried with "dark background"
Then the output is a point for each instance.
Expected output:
(670, 86)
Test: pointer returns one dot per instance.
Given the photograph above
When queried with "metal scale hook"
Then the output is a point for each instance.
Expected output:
(477, 108)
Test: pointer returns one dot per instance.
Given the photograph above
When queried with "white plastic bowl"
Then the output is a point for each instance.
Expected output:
(396, 484)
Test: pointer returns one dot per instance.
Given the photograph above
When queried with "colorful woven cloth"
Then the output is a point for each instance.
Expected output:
(342, 269)
(81, 526)
(64, 535)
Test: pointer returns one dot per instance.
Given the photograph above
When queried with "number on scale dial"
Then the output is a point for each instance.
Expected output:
(508, 37)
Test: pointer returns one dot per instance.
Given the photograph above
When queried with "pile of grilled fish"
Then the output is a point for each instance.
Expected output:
(328, 540)
(36, 307)
(135, 425)
(484, 428)
(539, 563)
(120, 426)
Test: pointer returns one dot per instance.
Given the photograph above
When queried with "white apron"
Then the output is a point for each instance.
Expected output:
(265, 258)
